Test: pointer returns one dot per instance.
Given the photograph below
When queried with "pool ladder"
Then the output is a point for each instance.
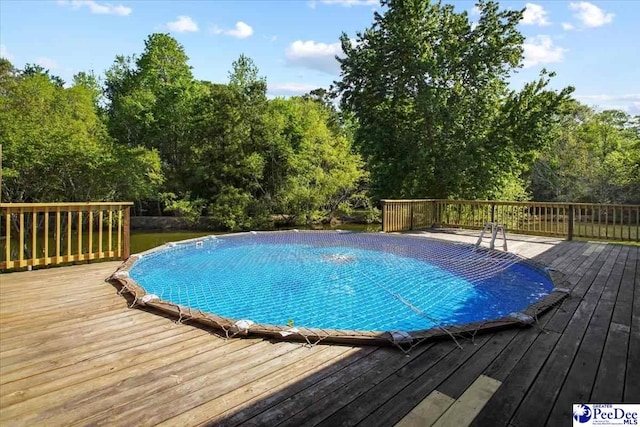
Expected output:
(494, 228)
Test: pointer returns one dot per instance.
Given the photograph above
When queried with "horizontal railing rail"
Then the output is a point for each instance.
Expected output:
(39, 234)
(585, 220)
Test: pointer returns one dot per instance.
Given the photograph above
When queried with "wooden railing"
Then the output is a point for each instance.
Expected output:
(37, 234)
(598, 221)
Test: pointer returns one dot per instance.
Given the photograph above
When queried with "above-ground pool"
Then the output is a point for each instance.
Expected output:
(341, 285)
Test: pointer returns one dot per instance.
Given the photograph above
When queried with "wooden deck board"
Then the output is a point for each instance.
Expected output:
(351, 391)
(149, 355)
(581, 378)
(465, 409)
(407, 397)
(428, 411)
(273, 408)
(317, 391)
(210, 383)
(244, 397)
(632, 378)
(610, 379)
(570, 370)
(560, 347)
(72, 353)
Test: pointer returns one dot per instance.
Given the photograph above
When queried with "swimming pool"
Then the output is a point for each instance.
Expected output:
(338, 284)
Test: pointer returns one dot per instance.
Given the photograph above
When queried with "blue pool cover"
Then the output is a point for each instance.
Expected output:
(342, 280)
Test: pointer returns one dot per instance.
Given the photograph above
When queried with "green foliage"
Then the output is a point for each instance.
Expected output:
(229, 162)
(260, 157)
(227, 146)
(231, 209)
(595, 158)
(317, 170)
(184, 207)
(57, 148)
(430, 94)
(150, 104)
(38, 70)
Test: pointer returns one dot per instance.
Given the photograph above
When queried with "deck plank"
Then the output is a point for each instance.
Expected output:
(610, 381)
(571, 367)
(324, 408)
(212, 411)
(327, 386)
(466, 374)
(503, 364)
(581, 379)
(428, 411)
(278, 405)
(161, 351)
(94, 399)
(632, 377)
(560, 344)
(465, 409)
(391, 400)
(75, 352)
(207, 382)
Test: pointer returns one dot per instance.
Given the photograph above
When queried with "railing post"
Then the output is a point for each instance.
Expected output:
(493, 212)
(411, 215)
(570, 236)
(126, 249)
(385, 213)
(434, 213)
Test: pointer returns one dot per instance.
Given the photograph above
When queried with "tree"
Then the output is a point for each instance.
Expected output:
(230, 126)
(430, 95)
(313, 168)
(150, 104)
(35, 69)
(595, 158)
(225, 148)
(90, 82)
(57, 148)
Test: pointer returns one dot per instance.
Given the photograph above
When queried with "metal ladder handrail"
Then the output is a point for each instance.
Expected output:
(494, 228)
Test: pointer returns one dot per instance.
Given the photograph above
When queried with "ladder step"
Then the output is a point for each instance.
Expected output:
(494, 229)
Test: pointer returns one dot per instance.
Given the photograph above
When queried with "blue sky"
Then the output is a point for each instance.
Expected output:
(594, 46)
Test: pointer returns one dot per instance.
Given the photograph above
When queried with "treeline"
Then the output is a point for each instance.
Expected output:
(154, 134)
(594, 157)
(426, 111)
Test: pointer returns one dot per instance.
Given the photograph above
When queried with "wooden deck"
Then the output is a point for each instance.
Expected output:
(71, 353)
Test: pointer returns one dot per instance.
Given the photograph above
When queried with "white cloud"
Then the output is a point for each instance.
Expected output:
(4, 53)
(567, 26)
(590, 15)
(47, 63)
(292, 88)
(242, 30)
(98, 8)
(534, 14)
(629, 102)
(634, 97)
(184, 24)
(540, 50)
(314, 55)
